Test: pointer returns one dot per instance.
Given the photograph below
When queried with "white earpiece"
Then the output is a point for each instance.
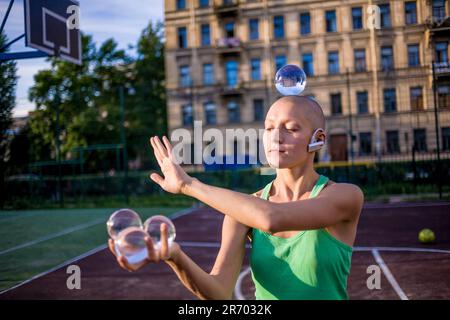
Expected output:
(315, 145)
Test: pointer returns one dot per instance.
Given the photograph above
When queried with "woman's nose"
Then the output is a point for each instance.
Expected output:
(275, 136)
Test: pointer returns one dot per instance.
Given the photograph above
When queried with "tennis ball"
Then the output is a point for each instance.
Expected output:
(426, 236)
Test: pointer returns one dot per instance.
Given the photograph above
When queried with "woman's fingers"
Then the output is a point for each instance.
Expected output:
(124, 263)
(152, 253)
(156, 151)
(111, 247)
(161, 148)
(168, 146)
(164, 241)
(157, 178)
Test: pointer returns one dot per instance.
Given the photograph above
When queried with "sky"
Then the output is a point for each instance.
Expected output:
(103, 19)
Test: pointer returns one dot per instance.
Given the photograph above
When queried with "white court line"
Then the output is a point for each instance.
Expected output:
(73, 229)
(400, 249)
(389, 275)
(81, 256)
(87, 254)
(54, 235)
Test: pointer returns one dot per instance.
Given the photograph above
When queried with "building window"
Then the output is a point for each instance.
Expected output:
(333, 62)
(181, 4)
(253, 25)
(185, 76)
(416, 97)
(208, 74)
(443, 96)
(206, 35)
(385, 15)
(229, 29)
(445, 132)
(362, 101)
(279, 62)
(392, 143)
(308, 64)
(330, 19)
(278, 27)
(203, 3)
(413, 55)
(410, 12)
(256, 68)
(441, 51)
(305, 23)
(182, 37)
(365, 143)
(187, 114)
(210, 112)
(336, 106)
(357, 18)
(438, 10)
(360, 60)
(233, 112)
(231, 71)
(420, 140)
(258, 109)
(390, 100)
(387, 60)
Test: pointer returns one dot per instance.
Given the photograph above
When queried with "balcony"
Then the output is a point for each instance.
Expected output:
(438, 24)
(229, 46)
(226, 8)
(442, 69)
(234, 90)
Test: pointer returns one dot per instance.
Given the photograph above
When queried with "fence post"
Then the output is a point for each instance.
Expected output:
(436, 124)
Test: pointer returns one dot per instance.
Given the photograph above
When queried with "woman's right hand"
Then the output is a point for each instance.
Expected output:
(153, 255)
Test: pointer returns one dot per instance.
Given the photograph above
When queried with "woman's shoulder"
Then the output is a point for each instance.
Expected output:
(349, 191)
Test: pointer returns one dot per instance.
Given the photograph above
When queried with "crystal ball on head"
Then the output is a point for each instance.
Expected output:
(290, 80)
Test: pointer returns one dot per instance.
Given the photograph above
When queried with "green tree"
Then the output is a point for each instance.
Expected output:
(86, 97)
(148, 115)
(8, 82)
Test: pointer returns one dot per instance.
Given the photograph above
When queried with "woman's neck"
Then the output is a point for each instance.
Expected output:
(292, 183)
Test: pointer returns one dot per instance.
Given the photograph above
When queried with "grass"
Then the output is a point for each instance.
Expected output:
(20, 227)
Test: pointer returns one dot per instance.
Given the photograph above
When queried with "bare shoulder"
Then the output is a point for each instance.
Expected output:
(346, 195)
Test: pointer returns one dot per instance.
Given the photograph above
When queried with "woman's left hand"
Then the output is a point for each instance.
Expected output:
(175, 178)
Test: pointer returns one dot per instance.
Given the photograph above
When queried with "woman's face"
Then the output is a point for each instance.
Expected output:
(287, 135)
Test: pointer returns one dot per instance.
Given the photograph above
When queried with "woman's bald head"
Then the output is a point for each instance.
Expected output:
(302, 108)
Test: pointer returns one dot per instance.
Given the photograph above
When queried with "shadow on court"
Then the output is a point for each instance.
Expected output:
(387, 237)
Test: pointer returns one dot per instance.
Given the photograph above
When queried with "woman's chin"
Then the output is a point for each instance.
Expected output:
(278, 163)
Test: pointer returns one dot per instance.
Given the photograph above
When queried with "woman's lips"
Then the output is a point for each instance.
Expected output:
(277, 150)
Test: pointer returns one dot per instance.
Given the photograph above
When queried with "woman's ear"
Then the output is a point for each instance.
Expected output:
(317, 140)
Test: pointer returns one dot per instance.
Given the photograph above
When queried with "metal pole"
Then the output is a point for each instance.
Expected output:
(81, 173)
(58, 149)
(6, 46)
(124, 141)
(350, 119)
(436, 125)
(5, 18)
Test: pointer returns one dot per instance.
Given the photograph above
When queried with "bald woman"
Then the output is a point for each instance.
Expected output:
(301, 225)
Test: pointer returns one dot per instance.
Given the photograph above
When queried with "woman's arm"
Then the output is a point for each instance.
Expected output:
(220, 282)
(337, 203)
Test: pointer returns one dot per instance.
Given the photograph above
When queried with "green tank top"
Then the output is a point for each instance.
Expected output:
(313, 264)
